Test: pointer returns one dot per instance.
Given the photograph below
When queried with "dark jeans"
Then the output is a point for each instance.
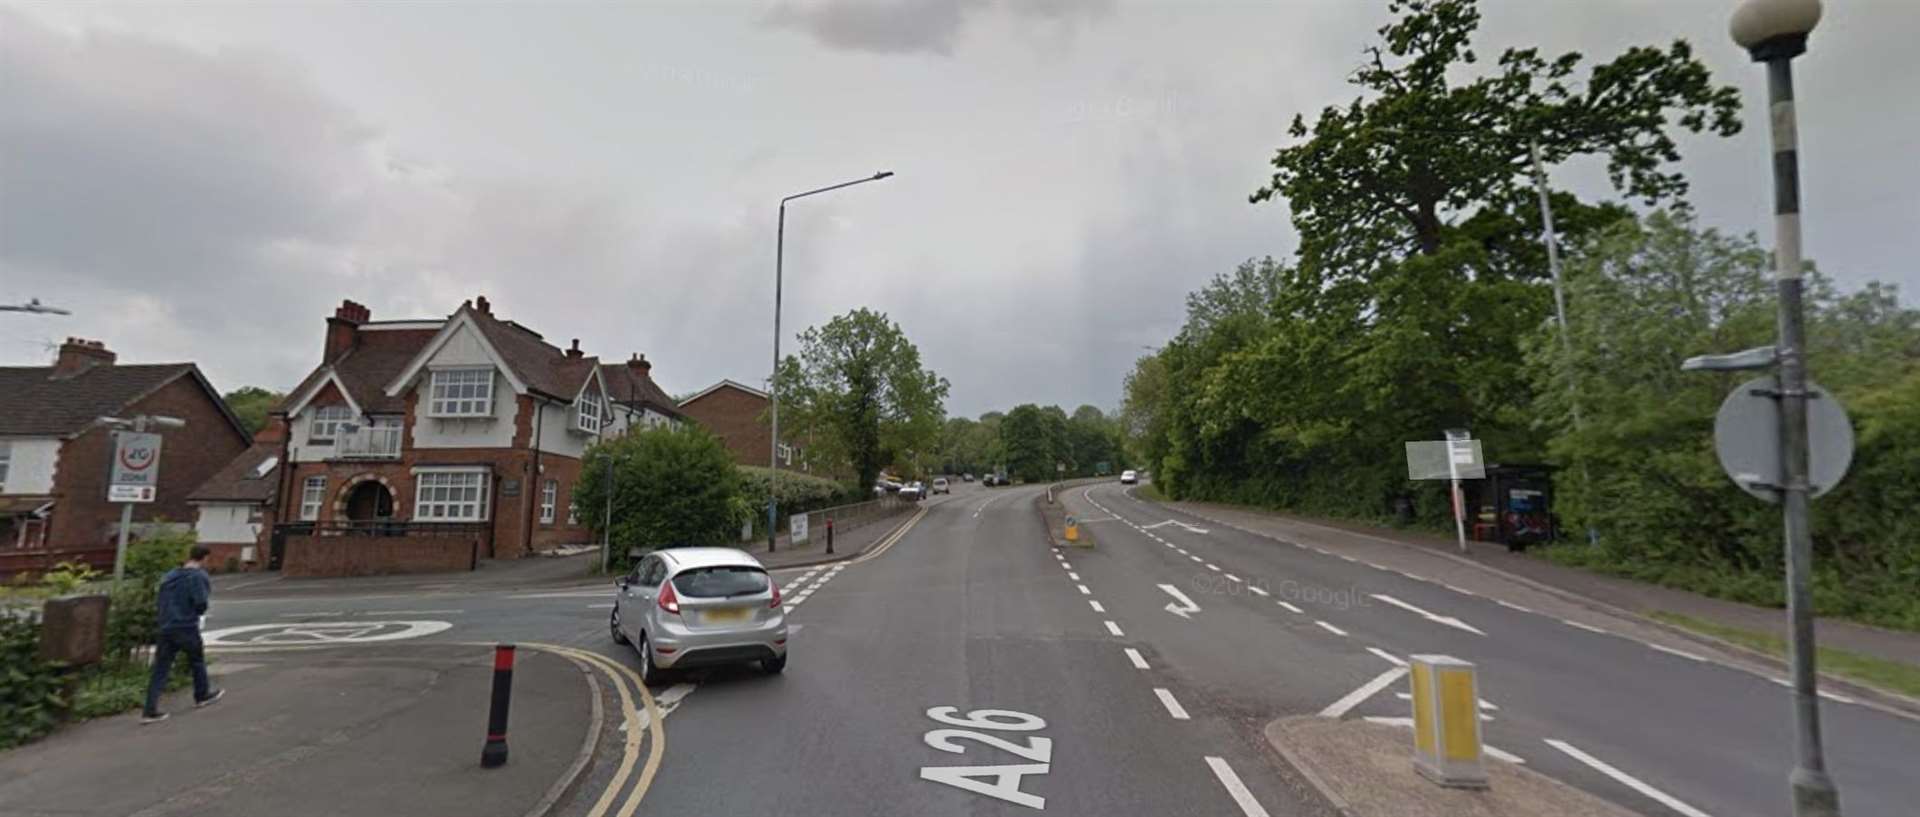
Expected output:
(164, 647)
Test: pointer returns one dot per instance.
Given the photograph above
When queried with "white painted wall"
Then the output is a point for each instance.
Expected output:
(226, 522)
(463, 349)
(556, 432)
(30, 470)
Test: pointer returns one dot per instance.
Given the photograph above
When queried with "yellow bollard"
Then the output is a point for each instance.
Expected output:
(1073, 529)
(1446, 722)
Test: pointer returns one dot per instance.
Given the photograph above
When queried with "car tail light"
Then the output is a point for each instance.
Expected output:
(669, 600)
(776, 594)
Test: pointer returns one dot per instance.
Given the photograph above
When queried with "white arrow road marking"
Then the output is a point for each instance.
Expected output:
(1366, 690)
(667, 701)
(1628, 780)
(1188, 528)
(1181, 606)
(1437, 619)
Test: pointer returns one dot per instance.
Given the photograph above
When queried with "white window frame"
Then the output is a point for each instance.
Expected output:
(313, 493)
(460, 393)
(589, 413)
(451, 495)
(549, 498)
(324, 425)
(6, 462)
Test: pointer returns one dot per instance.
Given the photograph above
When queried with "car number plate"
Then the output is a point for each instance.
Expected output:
(726, 616)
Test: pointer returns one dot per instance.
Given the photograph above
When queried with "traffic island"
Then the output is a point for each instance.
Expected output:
(1054, 516)
(1366, 770)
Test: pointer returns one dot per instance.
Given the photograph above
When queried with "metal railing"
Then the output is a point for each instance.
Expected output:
(381, 527)
(850, 516)
(369, 443)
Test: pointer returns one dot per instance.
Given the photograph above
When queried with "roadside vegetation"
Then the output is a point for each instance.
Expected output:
(1891, 675)
(672, 486)
(1420, 299)
(859, 398)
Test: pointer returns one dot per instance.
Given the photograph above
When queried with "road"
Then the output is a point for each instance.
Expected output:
(1108, 701)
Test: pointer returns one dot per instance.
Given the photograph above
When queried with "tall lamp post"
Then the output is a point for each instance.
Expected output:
(779, 262)
(1774, 32)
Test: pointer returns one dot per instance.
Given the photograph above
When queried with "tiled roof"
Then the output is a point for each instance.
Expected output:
(629, 387)
(241, 480)
(545, 368)
(32, 402)
(377, 357)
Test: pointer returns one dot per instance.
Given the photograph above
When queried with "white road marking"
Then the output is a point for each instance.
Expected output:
(1073, 576)
(1066, 564)
(1386, 721)
(1831, 696)
(1181, 605)
(1291, 608)
(1628, 780)
(1134, 656)
(1348, 558)
(1238, 790)
(1502, 754)
(1197, 559)
(1083, 590)
(1174, 708)
(1682, 653)
(1359, 696)
(1096, 606)
(1232, 578)
(1461, 590)
(1114, 628)
(410, 612)
(1511, 606)
(599, 607)
(1330, 628)
(1437, 619)
(1588, 627)
(1257, 591)
(1389, 657)
(1213, 567)
(1181, 551)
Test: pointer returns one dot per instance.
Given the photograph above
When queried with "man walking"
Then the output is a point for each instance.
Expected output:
(183, 596)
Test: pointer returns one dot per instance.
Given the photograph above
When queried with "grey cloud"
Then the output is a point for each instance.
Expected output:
(906, 26)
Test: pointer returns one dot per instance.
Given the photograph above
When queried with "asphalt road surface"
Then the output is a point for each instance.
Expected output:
(969, 669)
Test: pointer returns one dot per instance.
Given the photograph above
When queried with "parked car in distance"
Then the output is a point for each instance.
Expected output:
(966, 477)
(1129, 477)
(699, 607)
(912, 491)
(941, 486)
(987, 480)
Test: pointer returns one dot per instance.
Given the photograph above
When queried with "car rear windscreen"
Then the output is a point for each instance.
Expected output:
(712, 582)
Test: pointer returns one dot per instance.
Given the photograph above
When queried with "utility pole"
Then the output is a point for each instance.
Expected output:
(1552, 239)
(606, 527)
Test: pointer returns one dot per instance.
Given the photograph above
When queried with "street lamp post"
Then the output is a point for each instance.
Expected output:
(773, 383)
(1774, 32)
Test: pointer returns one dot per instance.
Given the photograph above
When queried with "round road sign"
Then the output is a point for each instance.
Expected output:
(1746, 435)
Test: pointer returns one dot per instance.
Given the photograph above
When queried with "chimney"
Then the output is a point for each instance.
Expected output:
(639, 365)
(343, 329)
(480, 305)
(573, 352)
(78, 355)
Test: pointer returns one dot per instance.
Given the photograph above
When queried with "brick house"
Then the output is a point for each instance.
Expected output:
(738, 414)
(54, 457)
(430, 444)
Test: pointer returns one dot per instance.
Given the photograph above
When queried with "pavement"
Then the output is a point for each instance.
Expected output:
(378, 730)
(963, 665)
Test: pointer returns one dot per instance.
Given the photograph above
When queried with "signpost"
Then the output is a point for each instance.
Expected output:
(797, 528)
(134, 474)
(1454, 459)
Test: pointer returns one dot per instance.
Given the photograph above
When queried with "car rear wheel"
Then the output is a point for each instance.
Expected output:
(649, 674)
(613, 623)
(773, 666)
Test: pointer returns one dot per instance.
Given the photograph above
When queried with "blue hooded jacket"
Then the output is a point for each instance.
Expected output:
(183, 596)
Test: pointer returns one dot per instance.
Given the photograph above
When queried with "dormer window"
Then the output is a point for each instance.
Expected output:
(327, 421)
(590, 413)
(461, 393)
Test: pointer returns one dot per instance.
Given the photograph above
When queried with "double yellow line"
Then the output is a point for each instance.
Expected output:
(627, 683)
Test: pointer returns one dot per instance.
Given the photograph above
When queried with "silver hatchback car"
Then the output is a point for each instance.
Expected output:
(698, 607)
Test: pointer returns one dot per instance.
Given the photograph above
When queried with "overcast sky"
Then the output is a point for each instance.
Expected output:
(207, 181)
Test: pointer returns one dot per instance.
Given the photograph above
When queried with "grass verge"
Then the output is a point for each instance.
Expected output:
(1892, 675)
(1149, 492)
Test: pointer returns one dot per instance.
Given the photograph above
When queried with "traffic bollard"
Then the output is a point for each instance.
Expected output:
(1446, 722)
(829, 534)
(495, 752)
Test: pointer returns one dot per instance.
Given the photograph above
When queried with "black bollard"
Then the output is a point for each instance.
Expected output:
(829, 534)
(494, 754)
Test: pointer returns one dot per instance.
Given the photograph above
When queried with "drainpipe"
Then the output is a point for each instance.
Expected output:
(539, 416)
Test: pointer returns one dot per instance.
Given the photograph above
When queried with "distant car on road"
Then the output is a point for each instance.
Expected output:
(699, 607)
(1129, 477)
(914, 491)
(989, 480)
(941, 486)
(966, 477)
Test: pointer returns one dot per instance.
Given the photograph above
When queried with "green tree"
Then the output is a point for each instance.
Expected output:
(251, 404)
(858, 388)
(673, 485)
(1028, 441)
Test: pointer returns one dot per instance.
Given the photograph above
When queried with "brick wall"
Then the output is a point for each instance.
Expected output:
(308, 556)
(734, 416)
(83, 517)
(566, 472)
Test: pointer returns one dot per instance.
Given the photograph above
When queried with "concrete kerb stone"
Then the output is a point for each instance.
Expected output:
(1883, 700)
(589, 746)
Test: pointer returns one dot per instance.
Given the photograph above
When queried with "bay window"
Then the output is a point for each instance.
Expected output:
(450, 496)
(461, 393)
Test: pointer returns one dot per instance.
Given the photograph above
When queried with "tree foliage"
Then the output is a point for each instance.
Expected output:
(671, 486)
(858, 392)
(251, 404)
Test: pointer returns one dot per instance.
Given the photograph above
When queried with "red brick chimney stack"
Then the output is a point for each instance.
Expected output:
(78, 355)
(639, 365)
(573, 352)
(480, 305)
(343, 329)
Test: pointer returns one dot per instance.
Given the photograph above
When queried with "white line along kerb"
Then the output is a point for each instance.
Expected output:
(1628, 780)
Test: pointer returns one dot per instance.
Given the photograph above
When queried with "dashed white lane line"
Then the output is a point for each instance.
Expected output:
(1461, 590)
(1389, 657)
(1625, 779)
(1588, 627)
(1257, 591)
(1358, 696)
(1231, 577)
(1096, 606)
(1197, 559)
(1831, 696)
(1682, 653)
(1134, 656)
(1511, 606)
(1213, 567)
(1291, 608)
(1174, 708)
(1072, 575)
(1238, 790)
(599, 607)
(1114, 628)
(1066, 564)
(1329, 628)
(1083, 590)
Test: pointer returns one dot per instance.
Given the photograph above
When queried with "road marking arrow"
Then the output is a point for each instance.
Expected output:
(1437, 619)
(1181, 606)
(1183, 525)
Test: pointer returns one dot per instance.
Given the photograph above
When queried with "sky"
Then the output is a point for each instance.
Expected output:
(207, 181)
